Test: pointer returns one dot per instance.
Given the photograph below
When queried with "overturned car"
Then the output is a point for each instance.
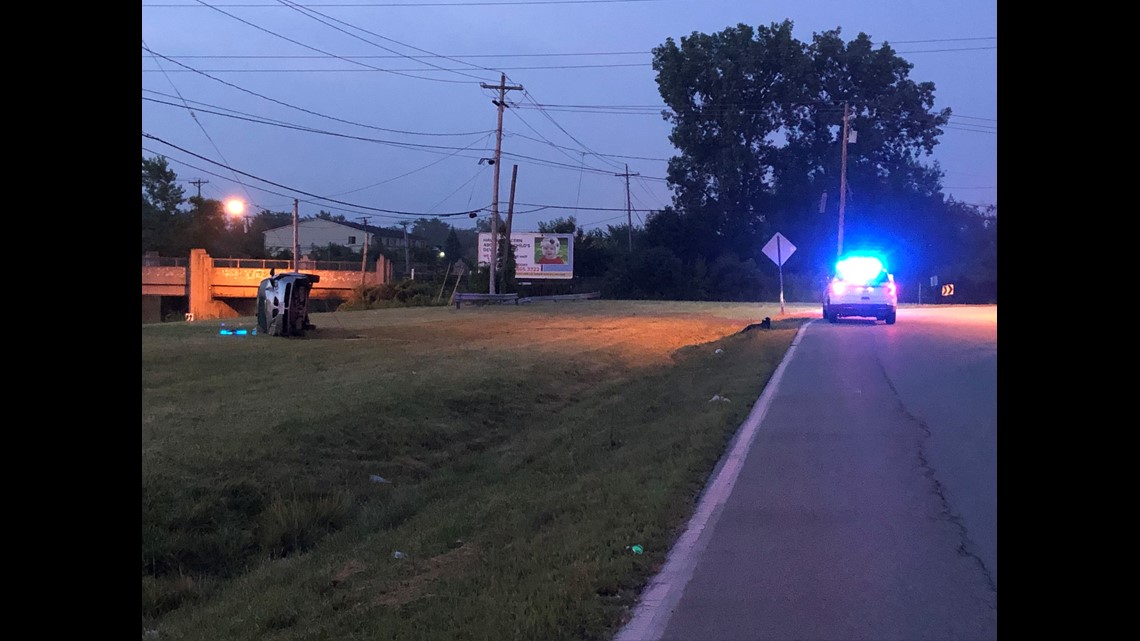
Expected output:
(283, 303)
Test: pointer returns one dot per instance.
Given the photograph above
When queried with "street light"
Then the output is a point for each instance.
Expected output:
(236, 207)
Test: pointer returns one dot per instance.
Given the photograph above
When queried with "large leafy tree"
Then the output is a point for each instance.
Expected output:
(757, 118)
(729, 96)
(892, 196)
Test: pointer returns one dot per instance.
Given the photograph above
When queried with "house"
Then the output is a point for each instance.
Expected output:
(316, 233)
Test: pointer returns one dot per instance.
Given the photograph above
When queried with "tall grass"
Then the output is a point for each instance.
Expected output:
(434, 474)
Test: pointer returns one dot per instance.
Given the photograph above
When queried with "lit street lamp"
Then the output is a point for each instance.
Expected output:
(236, 207)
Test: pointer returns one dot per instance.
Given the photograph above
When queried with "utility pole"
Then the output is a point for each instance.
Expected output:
(842, 180)
(364, 254)
(198, 183)
(501, 103)
(296, 237)
(628, 208)
(407, 260)
(510, 216)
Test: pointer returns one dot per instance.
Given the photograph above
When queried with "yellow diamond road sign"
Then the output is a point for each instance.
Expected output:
(778, 249)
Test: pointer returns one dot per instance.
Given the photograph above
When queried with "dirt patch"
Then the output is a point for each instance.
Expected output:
(636, 341)
(349, 569)
(427, 571)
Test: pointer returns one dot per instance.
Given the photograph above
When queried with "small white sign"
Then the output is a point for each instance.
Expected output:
(778, 249)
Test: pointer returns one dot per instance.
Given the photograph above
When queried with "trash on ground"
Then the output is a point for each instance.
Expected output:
(718, 351)
(376, 478)
(397, 555)
(636, 549)
(718, 397)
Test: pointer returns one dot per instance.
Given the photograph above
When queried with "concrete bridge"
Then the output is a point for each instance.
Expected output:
(227, 287)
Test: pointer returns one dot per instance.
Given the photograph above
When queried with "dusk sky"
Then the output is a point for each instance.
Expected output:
(375, 109)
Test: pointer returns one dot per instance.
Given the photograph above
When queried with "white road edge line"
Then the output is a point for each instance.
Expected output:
(661, 594)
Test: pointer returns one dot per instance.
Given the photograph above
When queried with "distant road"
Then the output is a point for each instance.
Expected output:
(865, 505)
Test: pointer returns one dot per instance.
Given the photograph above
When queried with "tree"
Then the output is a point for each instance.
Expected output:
(890, 191)
(207, 228)
(594, 252)
(729, 94)
(652, 273)
(757, 117)
(162, 221)
(340, 218)
(452, 246)
(559, 226)
(433, 230)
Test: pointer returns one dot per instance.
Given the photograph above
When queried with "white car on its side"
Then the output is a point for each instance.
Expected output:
(861, 287)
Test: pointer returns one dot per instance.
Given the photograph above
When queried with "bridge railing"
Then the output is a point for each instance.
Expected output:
(164, 261)
(264, 263)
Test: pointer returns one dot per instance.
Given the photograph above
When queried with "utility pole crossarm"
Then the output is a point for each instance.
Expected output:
(198, 183)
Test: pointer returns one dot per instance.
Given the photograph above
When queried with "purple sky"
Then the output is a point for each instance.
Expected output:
(369, 107)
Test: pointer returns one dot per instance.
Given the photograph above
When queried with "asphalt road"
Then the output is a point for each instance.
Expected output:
(859, 501)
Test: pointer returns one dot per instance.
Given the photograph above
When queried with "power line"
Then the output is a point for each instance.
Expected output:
(309, 111)
(404, 145)
(194, 117)
(536, 206)
(408, 173)
(308, 12)
(527, 95)
(265, 121)
(301, 44)
(299, 191)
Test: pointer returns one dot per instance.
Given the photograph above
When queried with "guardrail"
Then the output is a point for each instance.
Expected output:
(471, 297)
(531, 299)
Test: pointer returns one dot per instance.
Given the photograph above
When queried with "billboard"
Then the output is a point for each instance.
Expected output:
(537, 255)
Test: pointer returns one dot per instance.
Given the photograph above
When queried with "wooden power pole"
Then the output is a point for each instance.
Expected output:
(364, 254)
(510, 216)
(628, 208)
(296, 237)
(407, 260)
(842, 180)
(501, 103)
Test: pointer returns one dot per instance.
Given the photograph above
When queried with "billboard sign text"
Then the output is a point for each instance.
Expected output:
(537, 255)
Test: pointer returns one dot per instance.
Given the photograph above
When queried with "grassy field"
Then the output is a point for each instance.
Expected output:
(434, 474)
